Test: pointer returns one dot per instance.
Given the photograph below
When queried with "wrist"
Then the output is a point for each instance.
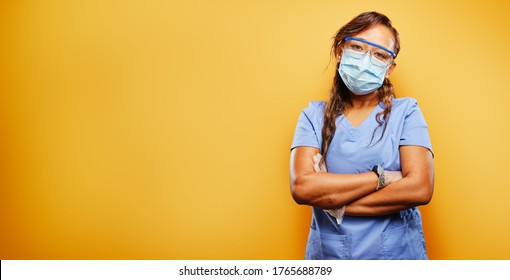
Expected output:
(379, 171)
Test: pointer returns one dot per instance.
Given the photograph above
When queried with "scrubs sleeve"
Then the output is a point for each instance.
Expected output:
(415, 131)
(309, 126)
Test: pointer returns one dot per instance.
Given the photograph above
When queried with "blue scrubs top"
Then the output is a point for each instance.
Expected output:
(395, 236)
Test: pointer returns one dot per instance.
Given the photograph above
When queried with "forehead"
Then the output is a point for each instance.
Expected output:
(378, 34)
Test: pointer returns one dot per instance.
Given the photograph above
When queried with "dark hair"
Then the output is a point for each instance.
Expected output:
(339, 96)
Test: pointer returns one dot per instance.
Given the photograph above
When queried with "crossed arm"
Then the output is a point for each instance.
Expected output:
(358, 191)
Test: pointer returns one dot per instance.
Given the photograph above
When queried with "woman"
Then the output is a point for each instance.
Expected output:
(363, 160)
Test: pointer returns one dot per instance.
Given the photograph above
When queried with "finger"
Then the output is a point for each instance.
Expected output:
(315, 159)
(321, 165)
(316, 168)
(323, 168)
(318, 157)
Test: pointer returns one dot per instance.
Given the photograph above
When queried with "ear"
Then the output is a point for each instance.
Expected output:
(392, 67)
(339, 56)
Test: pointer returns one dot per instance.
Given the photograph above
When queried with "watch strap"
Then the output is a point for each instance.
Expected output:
(380, 174)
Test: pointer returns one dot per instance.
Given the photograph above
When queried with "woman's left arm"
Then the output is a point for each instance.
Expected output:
(414, 189)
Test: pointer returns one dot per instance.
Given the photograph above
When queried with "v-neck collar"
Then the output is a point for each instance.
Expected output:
(370, 116)
(354, 131)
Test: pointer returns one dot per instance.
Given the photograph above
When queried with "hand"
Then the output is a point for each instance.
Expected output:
(392, 176)
(316, 164)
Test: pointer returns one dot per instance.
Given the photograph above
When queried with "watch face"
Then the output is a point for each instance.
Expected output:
(378, 170)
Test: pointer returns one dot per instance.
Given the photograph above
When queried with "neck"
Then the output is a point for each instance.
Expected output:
(364, 101)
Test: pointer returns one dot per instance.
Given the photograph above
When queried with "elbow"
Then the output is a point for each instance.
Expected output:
(298, 189)
(425, 194)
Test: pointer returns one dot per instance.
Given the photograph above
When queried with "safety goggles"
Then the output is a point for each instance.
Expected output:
(358, 48)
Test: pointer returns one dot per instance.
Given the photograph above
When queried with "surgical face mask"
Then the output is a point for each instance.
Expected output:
(359, 74)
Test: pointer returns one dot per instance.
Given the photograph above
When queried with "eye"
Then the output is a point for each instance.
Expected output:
(356, 47)
(381, 55)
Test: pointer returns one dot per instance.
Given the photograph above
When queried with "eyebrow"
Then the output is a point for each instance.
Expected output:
(370, 43)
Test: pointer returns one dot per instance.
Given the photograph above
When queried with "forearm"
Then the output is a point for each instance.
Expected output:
(415, 188)
(330, 191)
(397, 196)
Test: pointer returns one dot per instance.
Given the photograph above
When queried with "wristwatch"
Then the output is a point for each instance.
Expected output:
(380, 173)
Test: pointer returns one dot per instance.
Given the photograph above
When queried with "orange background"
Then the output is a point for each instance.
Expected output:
(161, 129)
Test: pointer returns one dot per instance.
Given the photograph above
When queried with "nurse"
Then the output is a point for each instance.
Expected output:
(363, 160)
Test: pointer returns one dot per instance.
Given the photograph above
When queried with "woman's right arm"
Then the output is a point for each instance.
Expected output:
(325, 190)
